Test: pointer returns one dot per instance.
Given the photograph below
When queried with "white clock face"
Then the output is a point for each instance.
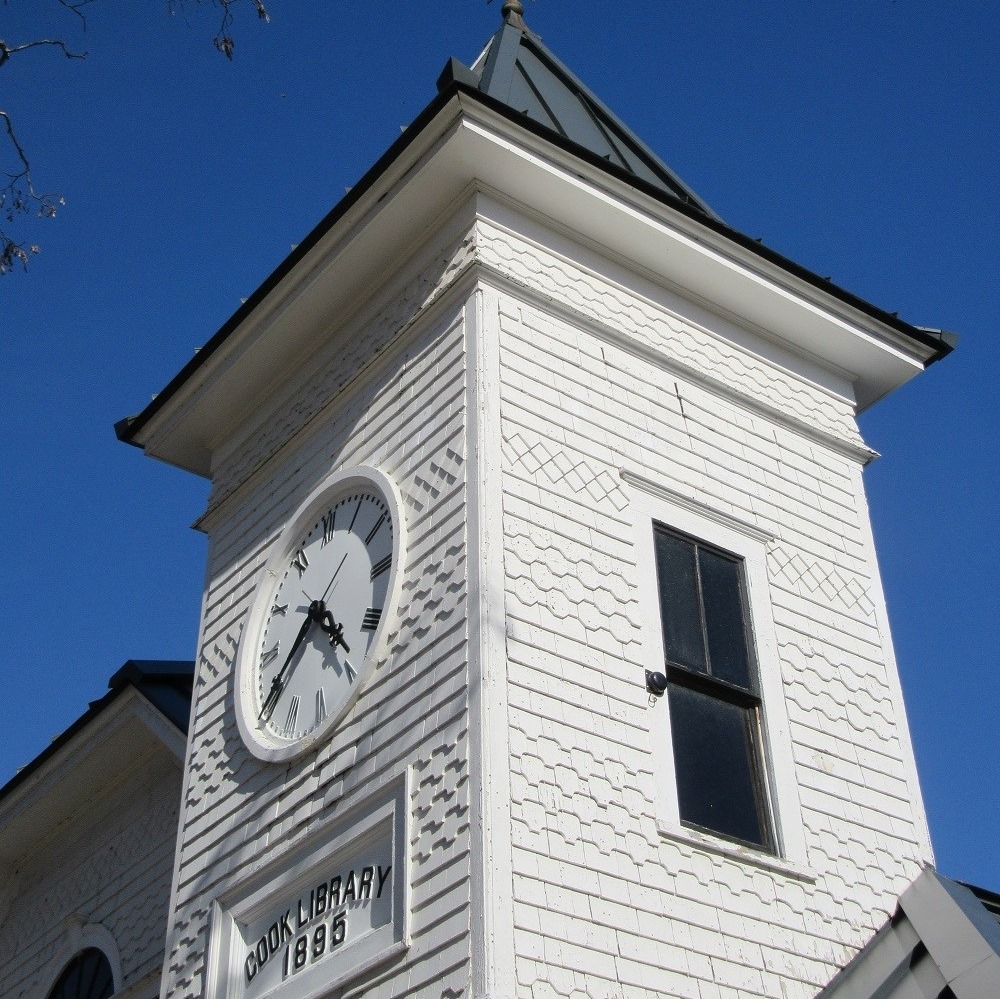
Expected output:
(319, 616)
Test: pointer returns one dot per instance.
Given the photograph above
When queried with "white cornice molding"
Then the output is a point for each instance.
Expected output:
(656, 219)
(694, 505)
(458, 285)
(547, 301)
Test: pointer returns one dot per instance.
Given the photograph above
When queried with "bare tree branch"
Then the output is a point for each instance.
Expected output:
(6, 51)
(223, 40)
(76, 7)
(18, 195)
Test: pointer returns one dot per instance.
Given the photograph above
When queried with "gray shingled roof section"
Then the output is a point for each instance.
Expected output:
(989, 899)
(516, 69)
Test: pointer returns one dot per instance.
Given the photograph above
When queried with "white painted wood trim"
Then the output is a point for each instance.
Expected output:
(128, 707)
(185, 783)
(673, 367)
(492, 859)
(695, 506)
(733, 851)
(220, 507)
(78, 937)
(256, 893)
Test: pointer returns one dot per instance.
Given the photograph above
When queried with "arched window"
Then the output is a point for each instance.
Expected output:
(87, 976)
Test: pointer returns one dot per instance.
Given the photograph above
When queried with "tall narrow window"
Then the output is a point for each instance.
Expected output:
(713, 693)
(87, 976)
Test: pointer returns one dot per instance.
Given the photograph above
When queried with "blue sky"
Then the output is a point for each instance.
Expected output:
(861, 140)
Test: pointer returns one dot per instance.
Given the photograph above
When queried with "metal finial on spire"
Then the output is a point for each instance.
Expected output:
(513, 13)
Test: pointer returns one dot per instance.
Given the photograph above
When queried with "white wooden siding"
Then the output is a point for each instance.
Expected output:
(239, 813)
(594, 381)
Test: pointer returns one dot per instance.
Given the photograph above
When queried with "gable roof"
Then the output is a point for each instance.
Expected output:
(943, 940)
(134, 733)
(166, 684)
(518, 71)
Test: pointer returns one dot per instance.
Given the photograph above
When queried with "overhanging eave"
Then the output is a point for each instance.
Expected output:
(462, 140)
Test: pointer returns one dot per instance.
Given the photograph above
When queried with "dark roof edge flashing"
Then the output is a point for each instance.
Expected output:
(137, 671)
(457, 79)
(946, 337)
(455, 71)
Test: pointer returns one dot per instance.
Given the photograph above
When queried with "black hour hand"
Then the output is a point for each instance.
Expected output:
(334, 630)
(272, 699)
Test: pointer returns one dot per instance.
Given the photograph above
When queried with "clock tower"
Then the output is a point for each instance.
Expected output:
(543, 649)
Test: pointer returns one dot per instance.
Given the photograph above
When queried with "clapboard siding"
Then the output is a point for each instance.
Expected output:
(406, 417)
(595, 380)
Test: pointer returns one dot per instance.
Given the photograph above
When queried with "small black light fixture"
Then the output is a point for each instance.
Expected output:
(656, 683)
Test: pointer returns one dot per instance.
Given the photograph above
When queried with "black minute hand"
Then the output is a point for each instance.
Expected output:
(277, 684)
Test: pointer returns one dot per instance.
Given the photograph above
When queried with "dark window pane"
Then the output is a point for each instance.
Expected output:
(727, 634)
(715, 758)
(71, 979)
(679, 606)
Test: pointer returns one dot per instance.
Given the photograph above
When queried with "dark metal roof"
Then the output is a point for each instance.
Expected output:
(166, 683)
(989, 899)
(517, 70)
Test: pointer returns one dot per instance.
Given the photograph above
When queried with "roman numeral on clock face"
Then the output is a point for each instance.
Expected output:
(382, 565)
(374, 530)
(320, 705)
(268, 657)
(300, 561)
(357, 510)
(372, 617)
(292, 717)
(328, 521)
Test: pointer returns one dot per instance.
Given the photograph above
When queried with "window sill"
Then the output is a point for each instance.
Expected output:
(733, 851)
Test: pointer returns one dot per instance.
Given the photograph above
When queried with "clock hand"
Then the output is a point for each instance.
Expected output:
(277, 684)
(334, 630)
(326, 592)
(318, 612)
(324, 618)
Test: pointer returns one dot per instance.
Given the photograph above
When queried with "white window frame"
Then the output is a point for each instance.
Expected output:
(653, 504)
(80, 937)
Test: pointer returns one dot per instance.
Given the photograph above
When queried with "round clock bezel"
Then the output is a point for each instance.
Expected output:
(261, 742)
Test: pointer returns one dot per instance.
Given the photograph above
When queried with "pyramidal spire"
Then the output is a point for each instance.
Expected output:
(519, 72)
(513, 13)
